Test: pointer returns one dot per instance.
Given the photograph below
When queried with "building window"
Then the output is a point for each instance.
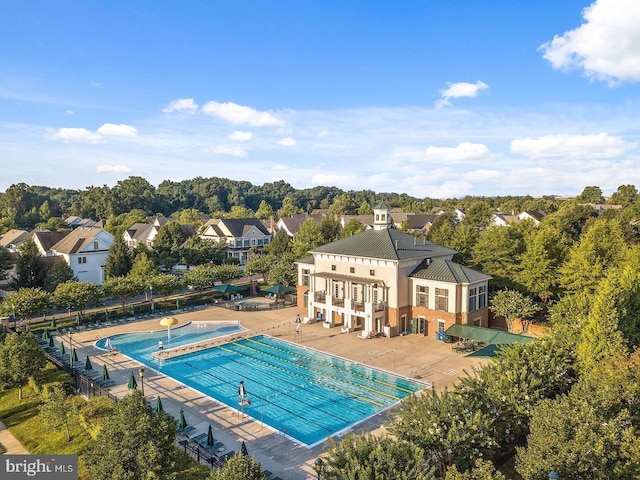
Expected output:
(375, 295)
(372, 273)
(95, 245)
(253, 242)
(333, 268)
(482, 297)
(352, 270)
(442, 299)
(354, 290)
(82, 259)
(473, 292)
(336, 290)
(422, 296)
(305, 277)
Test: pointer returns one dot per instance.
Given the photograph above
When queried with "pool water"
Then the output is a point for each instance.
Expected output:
(302, 393)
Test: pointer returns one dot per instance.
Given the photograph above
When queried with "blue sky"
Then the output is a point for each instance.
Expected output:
(431, 98)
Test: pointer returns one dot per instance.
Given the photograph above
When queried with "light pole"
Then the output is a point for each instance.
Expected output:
(141, 373)
(319, 465)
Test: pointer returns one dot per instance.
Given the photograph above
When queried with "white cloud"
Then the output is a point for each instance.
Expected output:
(345, 181)
(182, 105)
(117, 130)
(464, 152)
(113, 169)
(69, 112)
(600, 145)
(459, 90)
(606, 46)
(230, 151)
(287, 142)
(95, 84)
(241, 115)
(239, 136)
(75, 135)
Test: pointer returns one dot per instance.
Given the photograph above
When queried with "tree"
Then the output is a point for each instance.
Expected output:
(77, 295)
(189, 216)
(364, 457)
(511, 305)
(165, 284)
(308, 237)
(27, 303)
(133, 443)
(498, 252)
(167, 243)
(123, 289)
(118, 224)
(5, 263)
(200, 277)
(21, 357)
(59, 409)
(482, 470)
(58, 273)
(227, 272)
(238, 211)
(30, 268)
(198, 251)
(625, 195)
(445, 428)
(289, 207)
(443, 230)
(591, 194)
(329, 228)
(280, 244)
(133, 193)
(261, 265)
(238, 467)
(284, 271)
(119, 259)
(265, 211)
(143, 268)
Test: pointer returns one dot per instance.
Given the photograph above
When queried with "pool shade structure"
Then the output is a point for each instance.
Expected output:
(105, 373)
(78, 319)
(210, 439)
(159, 405)
(87, 364)
(74, 355)
(51, 341)
(53, 323)
(177, 303)
(153, 306)
(227, 289)
(182, 422)
(132, 385)
(62, 348)
(278, 289)
(168, 322)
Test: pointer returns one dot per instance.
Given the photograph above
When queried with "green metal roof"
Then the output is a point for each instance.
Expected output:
(486, 335)
(386, 244)
(444, 270)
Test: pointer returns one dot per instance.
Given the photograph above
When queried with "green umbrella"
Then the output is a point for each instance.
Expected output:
(45, 334)
(182, 422)
(105, 373)
(53, 322)
(78, 319)
(87, 364)
(61, 348)
(177, 303)
(51, 341)
(106, 315)
(159, 405)
(132, 385)
(210, 439)
(132, 310)
(74, 355)
(153, 306)
(243, 449)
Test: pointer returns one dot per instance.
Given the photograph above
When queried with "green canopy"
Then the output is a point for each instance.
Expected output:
(87, 364)
(159, 405)
(78, 319)
(177, 303)
(227, 288)
(51, 341)
(132, 385)
(74, 355)
(45, 334)
(278, 289)
(210, 439)
(243, 449)
(182, 422)
(105, 373)
(485, 335)
(53, 322)
(62, 348)
(132, 309)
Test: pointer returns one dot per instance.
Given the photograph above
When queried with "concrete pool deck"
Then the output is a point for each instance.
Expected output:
(416, 356)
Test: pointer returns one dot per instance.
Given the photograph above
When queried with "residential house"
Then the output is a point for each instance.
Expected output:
(85, 250)
(239, 235)
(291, 225)
(535, 216)
(145, 233)
(12, 239)
(386, 282)
(503, 220)
(45, 240)
(74, 221)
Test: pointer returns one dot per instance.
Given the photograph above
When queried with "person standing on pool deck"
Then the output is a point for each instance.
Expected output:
(298, 319)
(160, 346)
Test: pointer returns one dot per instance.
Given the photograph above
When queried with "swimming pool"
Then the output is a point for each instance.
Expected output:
(305, 394)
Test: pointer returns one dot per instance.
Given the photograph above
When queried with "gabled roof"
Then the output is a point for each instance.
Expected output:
(387, 244)
(76, 240)
(13, 237)
(292, 224)
(46, 240)
(140, 231)
(239, 226)
(416, 222)
(537, 215)
(443, 270)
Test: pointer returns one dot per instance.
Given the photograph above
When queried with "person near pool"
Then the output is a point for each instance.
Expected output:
(298, 319)
(160, 346)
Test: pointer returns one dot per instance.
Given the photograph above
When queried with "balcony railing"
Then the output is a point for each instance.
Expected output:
(319, 297)
(338, 302)
(358, 306)
(379, 307)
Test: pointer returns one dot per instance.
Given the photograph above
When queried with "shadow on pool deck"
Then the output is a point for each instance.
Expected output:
(422, 358)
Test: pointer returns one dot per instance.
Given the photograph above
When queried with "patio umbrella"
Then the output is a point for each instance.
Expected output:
(210, 439)
(106, 315)
(153, 306)
(45, 334)
(168, 322)
(159, 405)
(74, 355)
(182, 422)
(61, 348)
(132, 385)
(177, 303)
(278, 289)
(105, 373)
(78, 319)
(53, 322)
(87, 364)
(51, 341)
(132, 309)
(243, 449)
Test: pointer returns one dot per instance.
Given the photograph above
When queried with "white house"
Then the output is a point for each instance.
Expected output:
(238, 234)
(85, 250)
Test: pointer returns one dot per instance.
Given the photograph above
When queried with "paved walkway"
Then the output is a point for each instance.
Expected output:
(420, 357)
(10, 443)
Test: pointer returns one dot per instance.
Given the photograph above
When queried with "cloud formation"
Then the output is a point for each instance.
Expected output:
(117, 130)
(113, 169)
(464, 152)
(287, 142)
(83, 135)
(600, 145)
(241, 115)
(230, 151)
(606, 46)
(181, 105)
(459, 90)
(239, 136)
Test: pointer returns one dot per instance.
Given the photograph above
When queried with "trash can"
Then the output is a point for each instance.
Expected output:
(441, 336)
